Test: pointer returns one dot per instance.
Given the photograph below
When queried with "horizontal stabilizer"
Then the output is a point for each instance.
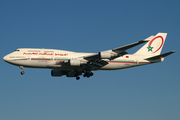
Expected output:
(160, 56)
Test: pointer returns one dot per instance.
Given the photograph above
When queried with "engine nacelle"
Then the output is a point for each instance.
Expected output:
(75, 62)
(107, 55)
(57, 73)
(71, 74)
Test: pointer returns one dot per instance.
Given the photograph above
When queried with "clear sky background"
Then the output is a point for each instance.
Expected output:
(150, 92)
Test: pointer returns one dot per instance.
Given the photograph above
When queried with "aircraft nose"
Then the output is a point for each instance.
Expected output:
(5, 58)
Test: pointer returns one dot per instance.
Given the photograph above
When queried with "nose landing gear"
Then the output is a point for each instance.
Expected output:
(22, 70)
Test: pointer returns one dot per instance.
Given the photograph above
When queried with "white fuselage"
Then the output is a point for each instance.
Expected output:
(74, 64)
(48, 58)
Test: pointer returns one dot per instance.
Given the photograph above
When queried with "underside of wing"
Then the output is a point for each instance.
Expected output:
(95, 65)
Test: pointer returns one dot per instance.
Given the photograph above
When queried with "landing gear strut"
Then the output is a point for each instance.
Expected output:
(22, 72)
(77, 75)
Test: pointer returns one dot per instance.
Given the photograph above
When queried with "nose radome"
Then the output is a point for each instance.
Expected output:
(5, 58)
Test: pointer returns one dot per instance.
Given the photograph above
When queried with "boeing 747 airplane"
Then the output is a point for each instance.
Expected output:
(74, 64)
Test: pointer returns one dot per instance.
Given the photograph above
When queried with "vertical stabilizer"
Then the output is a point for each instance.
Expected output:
(154, 46)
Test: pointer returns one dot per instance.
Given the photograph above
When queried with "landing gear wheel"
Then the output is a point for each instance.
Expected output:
(77, 78)
(87, 73)
(91, 74)
(22, 72)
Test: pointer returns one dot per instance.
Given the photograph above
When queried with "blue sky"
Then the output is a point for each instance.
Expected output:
(148, 92)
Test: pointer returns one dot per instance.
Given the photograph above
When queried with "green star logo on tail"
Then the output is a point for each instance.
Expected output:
(149, 48)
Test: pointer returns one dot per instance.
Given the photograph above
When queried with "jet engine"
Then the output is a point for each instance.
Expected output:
(76, 62)
(71, 74)
(107, 55)
(57, 73)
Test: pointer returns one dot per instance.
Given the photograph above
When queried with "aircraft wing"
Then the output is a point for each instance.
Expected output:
(96, 64)
(92, 57)
(116, 50)
(120, 50)
(123, 48)
(97, 60)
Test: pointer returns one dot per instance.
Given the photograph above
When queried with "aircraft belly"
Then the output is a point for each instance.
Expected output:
(116, 66)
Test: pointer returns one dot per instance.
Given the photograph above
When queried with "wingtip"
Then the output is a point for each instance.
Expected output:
(173, 51)
(142, 41)
(149, 38)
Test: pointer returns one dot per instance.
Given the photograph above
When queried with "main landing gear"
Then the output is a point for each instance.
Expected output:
(22, 70)
(87, 73)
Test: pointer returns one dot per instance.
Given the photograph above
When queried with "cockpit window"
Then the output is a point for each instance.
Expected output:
(17, 50)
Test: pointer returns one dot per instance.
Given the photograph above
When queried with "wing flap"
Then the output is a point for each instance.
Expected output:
(97, 64)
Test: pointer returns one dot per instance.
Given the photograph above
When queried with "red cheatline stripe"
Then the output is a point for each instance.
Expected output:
(42, 59)
(58, 60)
